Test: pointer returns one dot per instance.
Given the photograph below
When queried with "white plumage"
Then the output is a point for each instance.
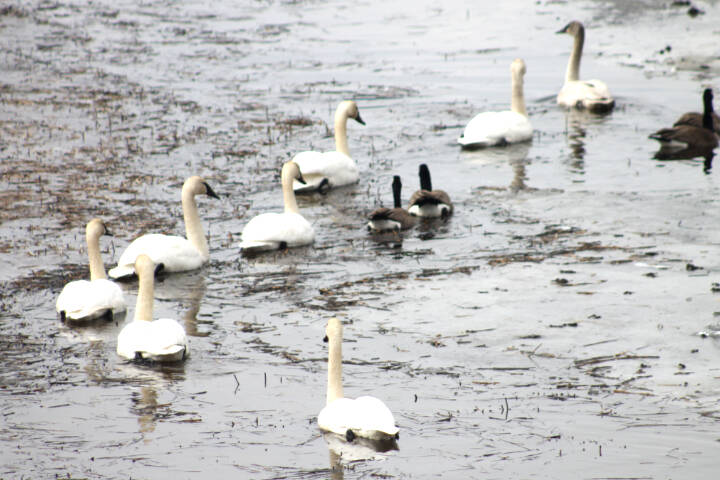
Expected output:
(176, 254)
(325, 170)
(273, 231)
(83, 300)
(592, 95)
(489, 129)
(366, 417)
(162, 340)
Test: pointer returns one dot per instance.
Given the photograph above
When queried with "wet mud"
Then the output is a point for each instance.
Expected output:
(562, 323)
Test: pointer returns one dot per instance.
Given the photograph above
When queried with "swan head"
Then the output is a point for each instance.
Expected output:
(333, 329)
(143, 265)
(350, 109)
(197, 186)
(291, 171)
(573, 28)
(96, 228)
(517, 67)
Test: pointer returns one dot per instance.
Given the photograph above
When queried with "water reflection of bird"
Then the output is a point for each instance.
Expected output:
(515, 155)
(366, 417)
(707, 154)
(325, 170)
(344, 452)
(488, 129)
(686, 134)
(591, 95)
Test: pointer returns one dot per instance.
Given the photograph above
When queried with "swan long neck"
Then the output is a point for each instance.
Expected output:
(97, 269)
(517, 100)
(146, 294)
(334, 386)
(289, 199)
(193, 226)
(572, 73)
(341, 143)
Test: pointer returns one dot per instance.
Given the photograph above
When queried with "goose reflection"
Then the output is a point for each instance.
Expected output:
(145, 405)
(666, 153)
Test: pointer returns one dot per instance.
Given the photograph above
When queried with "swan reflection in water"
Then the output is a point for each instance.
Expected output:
(666, 153)
(577, 123)
(343, 452)
(515, 155)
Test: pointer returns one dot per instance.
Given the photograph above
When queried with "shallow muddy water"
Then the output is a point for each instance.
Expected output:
(550, 329)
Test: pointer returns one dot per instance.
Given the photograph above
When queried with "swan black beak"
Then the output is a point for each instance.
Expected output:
(210, 192)
(107, 232)
(564, 29)
(359, 119)
(301, 179)
(325, 339)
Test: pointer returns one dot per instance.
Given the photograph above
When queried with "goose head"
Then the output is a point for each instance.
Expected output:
(197, 186)
(573, 28)
(708, 99)
(350, 110)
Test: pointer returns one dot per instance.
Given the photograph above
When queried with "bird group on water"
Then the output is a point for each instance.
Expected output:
(164, 340)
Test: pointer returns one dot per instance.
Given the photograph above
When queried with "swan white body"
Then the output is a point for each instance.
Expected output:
(365, 416)
(162, 340)
(176, 254)
(273, 231)
(325, 170)
(83, 300)
(592, 95)
(489, 129)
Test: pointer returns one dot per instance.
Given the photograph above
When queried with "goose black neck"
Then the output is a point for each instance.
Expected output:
(396, 187)
(707, 120)
(425, 182)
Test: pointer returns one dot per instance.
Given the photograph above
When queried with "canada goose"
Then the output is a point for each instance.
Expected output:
(325, 170)
(592, 95)
(83, 300)
(397, 218)
(162, 340)
(176, 254)
(427, 202)
(689, 136)
(488, 129)
(365, 417)
(696, 119)
(274, 231)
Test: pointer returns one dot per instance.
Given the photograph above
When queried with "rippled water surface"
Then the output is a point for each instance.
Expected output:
(551, 329)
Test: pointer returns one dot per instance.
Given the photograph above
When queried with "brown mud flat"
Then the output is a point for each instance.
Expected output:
(548, 329)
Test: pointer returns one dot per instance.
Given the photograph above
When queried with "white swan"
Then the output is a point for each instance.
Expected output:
(592, 95)
(83, 300)
(162, 340)
(325, 170)
(427, 202)
(275, 231)
(488, 129)
(365, 417)
(176, 254)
